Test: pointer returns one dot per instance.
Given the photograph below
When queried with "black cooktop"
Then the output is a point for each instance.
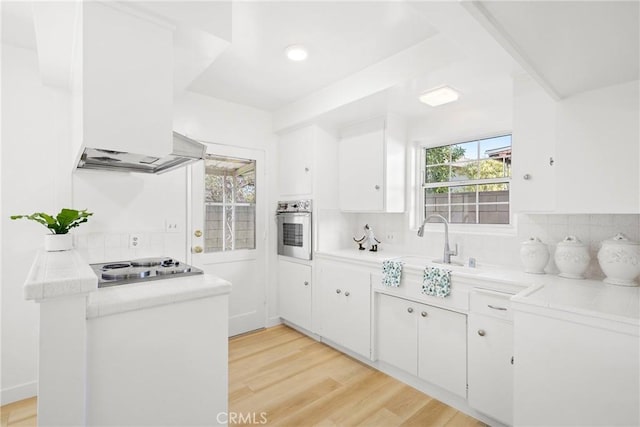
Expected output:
(141, 270)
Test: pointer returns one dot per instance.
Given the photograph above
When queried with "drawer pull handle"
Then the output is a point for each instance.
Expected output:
(423, 314)
(409, 310)
(497, 308)
(346, 294)
(306, 283)
(338, 291)
(481, 332)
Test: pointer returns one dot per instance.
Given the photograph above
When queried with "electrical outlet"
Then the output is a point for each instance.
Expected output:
(391, 236)
(171, 226)
(135, 241)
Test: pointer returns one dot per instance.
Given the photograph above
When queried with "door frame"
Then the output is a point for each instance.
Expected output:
(259, 254)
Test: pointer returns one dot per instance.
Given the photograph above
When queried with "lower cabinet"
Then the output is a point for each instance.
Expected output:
(397, 333)
(423, 340)
(490, 369)
(294, 293)
(344, 317)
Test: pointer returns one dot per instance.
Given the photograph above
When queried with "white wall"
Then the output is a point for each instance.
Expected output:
(35, 178)
(213, 120)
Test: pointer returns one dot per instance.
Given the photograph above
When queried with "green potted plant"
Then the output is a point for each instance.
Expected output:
(59, 225)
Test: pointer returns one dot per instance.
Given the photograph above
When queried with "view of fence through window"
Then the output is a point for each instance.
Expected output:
(469, 182)
(230, 204)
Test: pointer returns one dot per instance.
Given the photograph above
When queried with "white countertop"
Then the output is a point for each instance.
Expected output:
(67, 273)
(591, 298)
(56, 274)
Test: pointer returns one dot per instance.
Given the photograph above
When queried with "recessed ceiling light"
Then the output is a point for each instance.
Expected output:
(439, 96)
(296, 53)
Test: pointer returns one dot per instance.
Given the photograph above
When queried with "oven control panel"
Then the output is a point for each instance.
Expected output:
(294, 206)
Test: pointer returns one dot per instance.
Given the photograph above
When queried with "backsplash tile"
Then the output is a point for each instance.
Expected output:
(495, 249)
(106, 247)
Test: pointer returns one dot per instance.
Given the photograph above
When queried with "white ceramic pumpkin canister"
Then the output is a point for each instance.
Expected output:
(572, 258)
(619, 259)
(534, 255)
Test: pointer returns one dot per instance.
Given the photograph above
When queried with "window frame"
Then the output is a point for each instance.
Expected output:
(420, 148)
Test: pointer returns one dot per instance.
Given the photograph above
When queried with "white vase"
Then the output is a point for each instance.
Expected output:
(534, 255)
(619, 259)
(572, 258)
(58, 242)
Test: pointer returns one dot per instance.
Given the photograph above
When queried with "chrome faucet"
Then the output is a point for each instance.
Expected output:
(448, 253)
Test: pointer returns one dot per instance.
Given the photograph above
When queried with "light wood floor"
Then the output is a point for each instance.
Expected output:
(293, 380)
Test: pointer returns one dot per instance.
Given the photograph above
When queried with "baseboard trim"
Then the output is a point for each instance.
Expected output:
(273, 321)
(19, 392)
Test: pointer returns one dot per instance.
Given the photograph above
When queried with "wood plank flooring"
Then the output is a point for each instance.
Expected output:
(294, 380)
(288, 379)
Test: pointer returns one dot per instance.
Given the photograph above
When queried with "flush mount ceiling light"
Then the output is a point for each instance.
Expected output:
(296, 52)
(439, 96)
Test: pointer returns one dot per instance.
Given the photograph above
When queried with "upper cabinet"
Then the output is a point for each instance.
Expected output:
(598, 151)
(295, 162)
(307, 160)
(533, 141)
(577, 155)
(371, 166)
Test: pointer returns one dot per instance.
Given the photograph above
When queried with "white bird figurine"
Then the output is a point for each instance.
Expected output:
(369, 239)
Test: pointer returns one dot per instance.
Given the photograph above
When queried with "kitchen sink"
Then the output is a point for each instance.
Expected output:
(414, 261)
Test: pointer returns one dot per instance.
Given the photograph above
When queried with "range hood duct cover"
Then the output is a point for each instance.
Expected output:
(185, 150)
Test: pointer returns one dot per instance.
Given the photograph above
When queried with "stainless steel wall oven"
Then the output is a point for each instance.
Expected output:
(294, 228)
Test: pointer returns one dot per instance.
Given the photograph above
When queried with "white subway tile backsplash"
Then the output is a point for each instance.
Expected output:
(501, 249)
(96, 241)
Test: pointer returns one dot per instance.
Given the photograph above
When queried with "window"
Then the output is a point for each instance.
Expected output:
(469, 182)
(230, 204)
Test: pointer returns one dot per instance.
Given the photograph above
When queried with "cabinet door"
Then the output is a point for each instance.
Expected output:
(361, 172)
(345, 316)
(533, 185)
(295, 158)
(442, 348)
(397, 333)
(490, 373)
(294, 293)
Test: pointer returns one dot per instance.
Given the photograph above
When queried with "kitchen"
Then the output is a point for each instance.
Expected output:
(566, 98)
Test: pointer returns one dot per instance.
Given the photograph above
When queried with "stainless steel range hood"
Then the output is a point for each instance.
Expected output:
(185, 150)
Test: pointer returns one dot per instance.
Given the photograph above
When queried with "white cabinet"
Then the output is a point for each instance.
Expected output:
(397, 333)
(442, 348)
(423, 340)
(490, 367)
(533, 184)
(560, 150)
(345, 305)
(371, 167)
(576, 370)
(295, 161)
(294, 293)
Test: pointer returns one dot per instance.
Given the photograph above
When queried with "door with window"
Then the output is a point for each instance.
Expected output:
(227, 230)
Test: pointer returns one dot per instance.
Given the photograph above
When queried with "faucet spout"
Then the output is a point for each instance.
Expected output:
(447, 253)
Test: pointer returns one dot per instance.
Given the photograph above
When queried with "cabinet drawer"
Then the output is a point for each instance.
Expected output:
(491, 303)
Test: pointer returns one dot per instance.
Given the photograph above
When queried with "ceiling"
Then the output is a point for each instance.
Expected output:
(570, 46)
(341, 37)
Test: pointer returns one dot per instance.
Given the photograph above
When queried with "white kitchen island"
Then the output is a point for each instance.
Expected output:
(150, 353)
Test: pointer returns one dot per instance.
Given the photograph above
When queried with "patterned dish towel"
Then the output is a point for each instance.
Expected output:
(436, 282)
(391, 273)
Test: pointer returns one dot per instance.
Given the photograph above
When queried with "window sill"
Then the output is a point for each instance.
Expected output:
(474, 229)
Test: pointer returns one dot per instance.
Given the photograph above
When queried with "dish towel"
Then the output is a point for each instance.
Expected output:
(436, 282)
(391, 273)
